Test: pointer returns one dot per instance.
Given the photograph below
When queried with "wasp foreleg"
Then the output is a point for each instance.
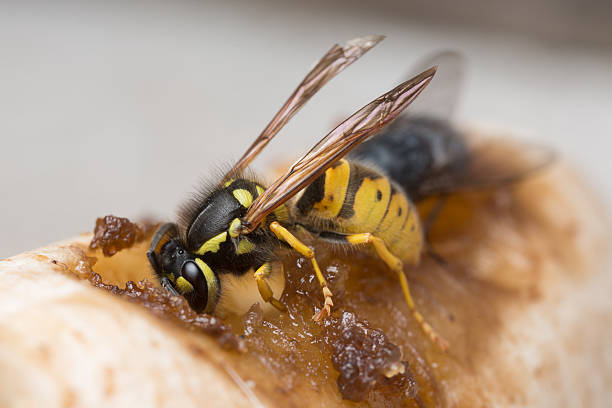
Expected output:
(165, 282)
(264, 289)
(283, 234)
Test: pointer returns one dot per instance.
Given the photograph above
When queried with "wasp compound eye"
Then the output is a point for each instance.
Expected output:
(191, 272)
(200, 285)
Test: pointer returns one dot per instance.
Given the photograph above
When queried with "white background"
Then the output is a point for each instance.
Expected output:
(123, 108)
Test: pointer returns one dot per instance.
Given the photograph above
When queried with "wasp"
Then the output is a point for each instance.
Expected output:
(222, 254)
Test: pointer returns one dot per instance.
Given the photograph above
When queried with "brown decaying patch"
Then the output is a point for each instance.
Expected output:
(112, 234)
(176, 309)
(501, 259)
(146, 293)
(362, 355)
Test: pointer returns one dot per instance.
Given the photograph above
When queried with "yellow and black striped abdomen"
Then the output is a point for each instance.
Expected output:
(352, 198)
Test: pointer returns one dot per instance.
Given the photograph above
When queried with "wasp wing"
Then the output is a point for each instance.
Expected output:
(464, 165)
(354, 130)
(488, 164)
(441, 97)
(427, 156)
(332, 63)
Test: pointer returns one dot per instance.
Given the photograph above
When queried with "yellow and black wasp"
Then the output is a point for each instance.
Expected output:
(226, 242)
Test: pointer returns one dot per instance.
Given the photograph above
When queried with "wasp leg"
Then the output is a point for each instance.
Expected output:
(398, 266)
(283, 234)
(264, 289)
(428, 225)
(165, 282)
(432, 217)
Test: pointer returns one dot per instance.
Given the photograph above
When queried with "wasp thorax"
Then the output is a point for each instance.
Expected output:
(215, 218)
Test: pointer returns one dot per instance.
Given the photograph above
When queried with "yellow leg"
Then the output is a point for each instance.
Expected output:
(264, 289)
(398, 266)
(283, 234)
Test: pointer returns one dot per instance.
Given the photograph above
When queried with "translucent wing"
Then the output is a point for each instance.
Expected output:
(488, 164)
(464, 165)
(441, 97)
(427, 156)
(333, 62)
(356, 129)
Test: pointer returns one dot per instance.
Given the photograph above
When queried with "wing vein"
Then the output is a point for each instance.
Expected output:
(354, 130)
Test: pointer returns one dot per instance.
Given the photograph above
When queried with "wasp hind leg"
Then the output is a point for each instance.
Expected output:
(397, 266)
(265, 291)
(433, 215)
(283, 234)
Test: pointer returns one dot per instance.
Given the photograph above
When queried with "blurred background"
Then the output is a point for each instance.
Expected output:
(122, 107)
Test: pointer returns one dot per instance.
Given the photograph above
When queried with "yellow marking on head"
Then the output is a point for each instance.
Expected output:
(244, 197)
(183, 285)
(245, 246)
(282, 213)
(212, 245)
(234, 228)
(171, 277)
(259, 189)
(371, 199)
(228, 182)
(211, 281)
(336, 184)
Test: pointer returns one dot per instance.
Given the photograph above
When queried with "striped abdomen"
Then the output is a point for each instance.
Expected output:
(352, 198)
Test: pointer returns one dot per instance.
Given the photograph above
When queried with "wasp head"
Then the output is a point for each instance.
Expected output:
(181, 272)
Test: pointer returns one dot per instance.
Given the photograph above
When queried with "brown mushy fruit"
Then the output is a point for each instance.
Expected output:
(364, 357)
(112, 234)
(517, 299)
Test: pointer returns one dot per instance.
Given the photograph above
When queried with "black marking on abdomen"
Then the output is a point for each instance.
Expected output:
(358, 173)
(313, 194)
